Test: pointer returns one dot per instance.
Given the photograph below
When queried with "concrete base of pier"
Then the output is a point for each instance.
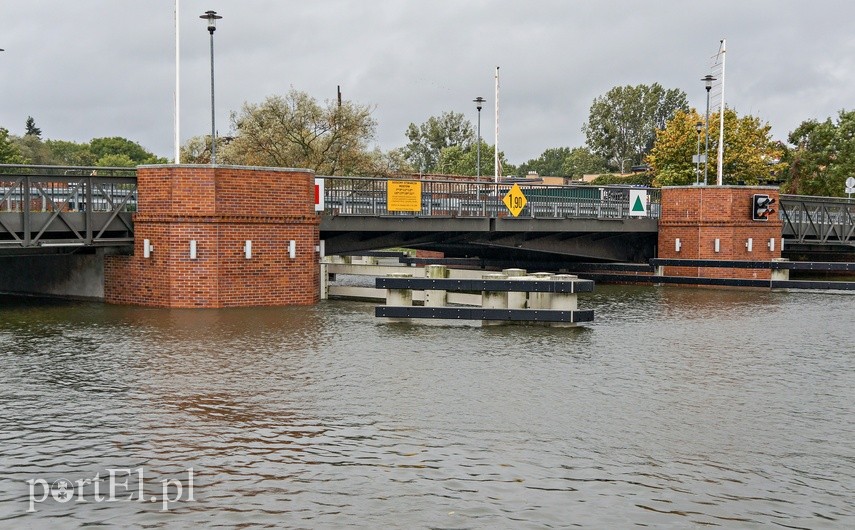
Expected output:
(64, 275)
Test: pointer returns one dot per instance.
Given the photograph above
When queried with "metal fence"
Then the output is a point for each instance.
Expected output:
(819, 220)
(463, 198)
(59, 205)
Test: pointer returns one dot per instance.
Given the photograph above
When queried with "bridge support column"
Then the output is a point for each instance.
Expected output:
(436, 298)
(494, 299)
(516, 299)
(219, 236)
(715, 223)
(540, 300)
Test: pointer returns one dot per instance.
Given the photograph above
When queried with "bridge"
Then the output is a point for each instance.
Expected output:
(47, 209)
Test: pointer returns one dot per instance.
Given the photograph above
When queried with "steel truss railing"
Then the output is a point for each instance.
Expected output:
(818, 220)
(43, 206)
(468, 198)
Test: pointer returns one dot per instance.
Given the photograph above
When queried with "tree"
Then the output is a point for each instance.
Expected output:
(34, 150)
(426, 141)
(456, 160)
(116, 146)
(565, 162)
(823, 156)
(116, 160)
(581, 161)
(32, 130)
(750, 154)
(66, 153)
(295, 131)
(550, 162)
(622, 123)
(197, 150)
(10, 153)
(391, 163)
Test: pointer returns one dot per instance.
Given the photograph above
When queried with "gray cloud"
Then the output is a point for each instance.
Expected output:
(106, 67)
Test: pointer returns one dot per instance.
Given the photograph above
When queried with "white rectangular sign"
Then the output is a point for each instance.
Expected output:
(319, 195)
(638, 203)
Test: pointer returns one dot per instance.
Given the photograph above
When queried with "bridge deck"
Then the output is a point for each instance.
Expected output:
(52, 206)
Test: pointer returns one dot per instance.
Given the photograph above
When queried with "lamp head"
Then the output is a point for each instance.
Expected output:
(212, 17)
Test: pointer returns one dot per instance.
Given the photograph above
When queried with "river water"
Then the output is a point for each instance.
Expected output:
(676, 408)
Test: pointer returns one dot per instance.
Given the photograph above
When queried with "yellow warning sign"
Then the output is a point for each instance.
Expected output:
(515, 201)
(404, 196)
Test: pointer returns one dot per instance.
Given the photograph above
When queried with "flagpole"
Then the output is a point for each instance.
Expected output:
(496, 146)
(177, 87)
(720, 173)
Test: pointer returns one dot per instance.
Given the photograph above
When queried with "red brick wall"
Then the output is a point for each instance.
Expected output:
(700, 215)
(220, 208)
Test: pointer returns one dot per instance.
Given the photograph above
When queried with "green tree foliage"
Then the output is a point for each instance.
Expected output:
(66, 153)
(750, 154)
(622, 123)
(115, 147)
(549, 163)
(197, 150)
(116, 160)
(823, 156)
(637, 179)
(10, 153)
(457, 160)
(390, 163)
(565, 162)
(35, 151)
(97, 152)
(581, 161)
(32, 130)
(426, 141)
(296, 131)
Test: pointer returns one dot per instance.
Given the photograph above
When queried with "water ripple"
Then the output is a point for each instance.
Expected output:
(664, 412)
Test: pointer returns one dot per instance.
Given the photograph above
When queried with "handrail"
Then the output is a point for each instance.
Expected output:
(49, 205)
(468, 197)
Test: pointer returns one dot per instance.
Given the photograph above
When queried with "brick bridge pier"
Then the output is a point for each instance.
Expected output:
(715, 223)
(219, 236)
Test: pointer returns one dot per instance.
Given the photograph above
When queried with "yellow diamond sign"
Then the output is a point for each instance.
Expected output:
(514, 200)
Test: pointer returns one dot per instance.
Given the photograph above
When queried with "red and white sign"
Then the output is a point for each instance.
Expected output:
(319, 195)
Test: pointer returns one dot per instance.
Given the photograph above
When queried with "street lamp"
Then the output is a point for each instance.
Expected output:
(708, 79)
(698, 127)
(479, 102)
(212, 17)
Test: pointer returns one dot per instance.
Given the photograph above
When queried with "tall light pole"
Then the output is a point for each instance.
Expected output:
(708, 79)
(212, 17)
(479, 103)
(698, 128)
(177, 136)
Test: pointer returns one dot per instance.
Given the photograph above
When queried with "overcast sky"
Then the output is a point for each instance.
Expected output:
(94, 68)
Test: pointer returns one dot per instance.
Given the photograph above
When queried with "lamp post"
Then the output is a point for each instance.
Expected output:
(708, 79)
(212, 17)
(479, 103)
(698, 127)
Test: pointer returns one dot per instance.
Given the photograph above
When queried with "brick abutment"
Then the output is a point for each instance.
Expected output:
(219, 236)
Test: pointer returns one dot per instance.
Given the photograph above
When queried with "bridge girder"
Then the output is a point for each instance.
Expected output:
(571, 239)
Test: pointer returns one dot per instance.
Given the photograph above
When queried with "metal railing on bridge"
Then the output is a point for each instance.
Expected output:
(468, 198)
(90, 206)
(42, 206)
(818, 220)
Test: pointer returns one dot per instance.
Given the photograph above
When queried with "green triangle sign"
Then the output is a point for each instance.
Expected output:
(638, 206)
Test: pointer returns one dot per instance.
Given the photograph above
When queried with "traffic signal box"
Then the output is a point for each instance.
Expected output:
(761, 207)
(713, 223)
